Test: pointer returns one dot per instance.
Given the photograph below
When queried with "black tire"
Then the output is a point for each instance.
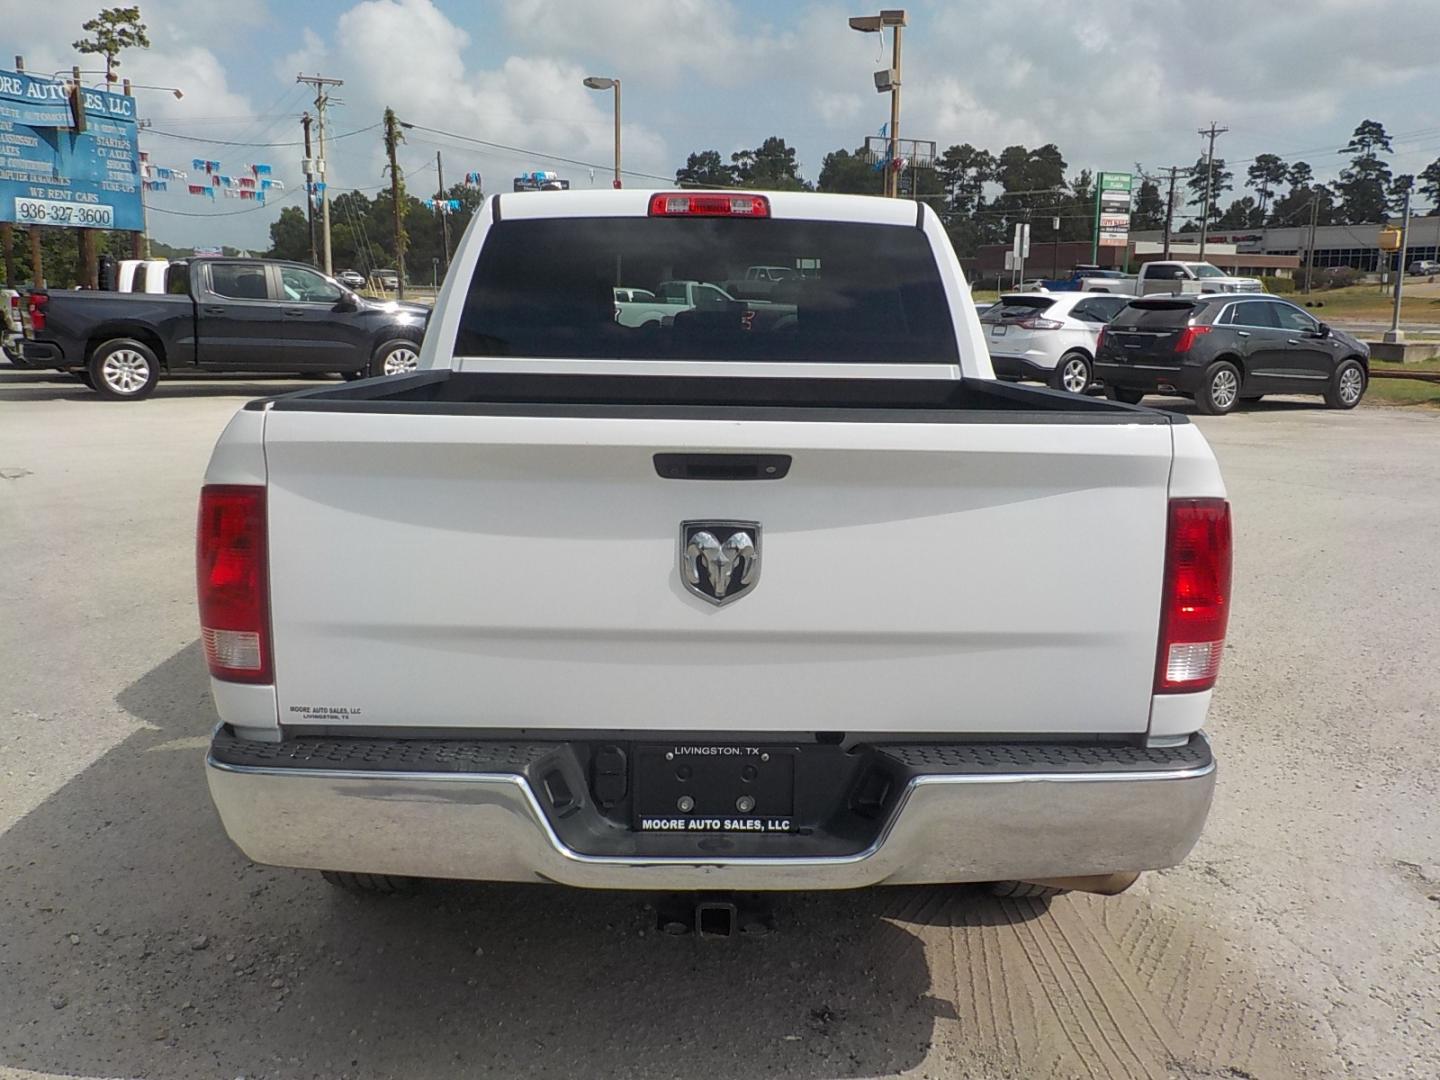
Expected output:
(1125, 394)
(401, 355)
(1347, 386)
(1023, 890)
(123, 369)
(1068, 373)
(371, 884)
(1219, 390)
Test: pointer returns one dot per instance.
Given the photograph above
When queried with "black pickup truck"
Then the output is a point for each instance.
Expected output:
(221, 314)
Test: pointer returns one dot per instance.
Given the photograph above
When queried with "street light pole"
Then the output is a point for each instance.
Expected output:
(888, 80)
(597, 82)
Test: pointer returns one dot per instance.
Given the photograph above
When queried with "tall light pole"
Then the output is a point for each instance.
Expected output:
(599, 82)
(888, 80)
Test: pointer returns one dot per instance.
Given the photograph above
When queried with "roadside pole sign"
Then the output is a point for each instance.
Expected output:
(1112, 209)
(51, 174)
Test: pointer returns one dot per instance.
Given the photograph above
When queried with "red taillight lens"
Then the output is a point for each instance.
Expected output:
(1100, 340)
(1187, 337)
(1035, 322)
(1195, 605)
(232, 582)
(37, 310)
(710, 204)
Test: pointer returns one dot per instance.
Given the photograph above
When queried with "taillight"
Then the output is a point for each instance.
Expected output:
(1187, 337)
(37, 310)
(709, 204)
(1195, 605)
(232, 582)
(1100, 340)
(1035, 322)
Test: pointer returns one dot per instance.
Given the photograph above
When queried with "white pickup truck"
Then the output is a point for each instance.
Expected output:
(1173, 277)
(706, 607)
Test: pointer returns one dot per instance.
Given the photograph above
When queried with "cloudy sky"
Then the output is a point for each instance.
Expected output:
(1111, 83)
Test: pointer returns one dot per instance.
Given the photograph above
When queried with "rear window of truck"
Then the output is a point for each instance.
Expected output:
(1154, 316)
(863, 293)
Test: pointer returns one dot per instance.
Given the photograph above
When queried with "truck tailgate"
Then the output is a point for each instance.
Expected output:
(466, 571)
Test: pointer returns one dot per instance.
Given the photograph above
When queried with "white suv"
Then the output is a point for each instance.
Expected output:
(1048, 337)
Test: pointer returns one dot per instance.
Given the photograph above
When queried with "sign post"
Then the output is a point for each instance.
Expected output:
(1112, 212)
(65, 170)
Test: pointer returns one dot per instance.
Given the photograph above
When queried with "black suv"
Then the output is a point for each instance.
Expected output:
(1224, 349)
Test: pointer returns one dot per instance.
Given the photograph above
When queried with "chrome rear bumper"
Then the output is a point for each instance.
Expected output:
(943, 827)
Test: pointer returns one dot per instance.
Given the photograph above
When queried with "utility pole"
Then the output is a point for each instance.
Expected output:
(1310, 249)
(444, 211)
(305, 122)
(1212, 131)
(393, 138)
(1170, 210)
(322, 99)
(1396, 334)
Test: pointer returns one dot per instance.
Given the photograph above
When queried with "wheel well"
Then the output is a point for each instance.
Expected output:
(1086, 353)
(141, 334)
(1363, 361)
(1230, 358)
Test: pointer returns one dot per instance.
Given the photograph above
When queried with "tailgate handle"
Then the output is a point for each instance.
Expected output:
(722, 466)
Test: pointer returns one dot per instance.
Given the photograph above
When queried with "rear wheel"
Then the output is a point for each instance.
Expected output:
(398, 357)
(1220, 389)
(371, 884)
(1125, 394)
(123, 370)
(1347, 387)
(1072, 373)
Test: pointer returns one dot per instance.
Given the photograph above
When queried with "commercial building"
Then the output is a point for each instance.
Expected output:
(1356, 246)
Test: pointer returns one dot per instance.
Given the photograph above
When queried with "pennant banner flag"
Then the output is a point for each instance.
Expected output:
(203, 189)
(260, 170)
(156, 185)
(473, 179)
(268, 185)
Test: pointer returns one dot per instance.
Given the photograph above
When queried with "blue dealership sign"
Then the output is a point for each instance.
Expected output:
(52, 175)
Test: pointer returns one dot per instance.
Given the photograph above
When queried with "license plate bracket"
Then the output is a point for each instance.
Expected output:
(723, 788)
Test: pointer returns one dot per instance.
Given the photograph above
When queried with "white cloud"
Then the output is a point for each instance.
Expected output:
(529, 102)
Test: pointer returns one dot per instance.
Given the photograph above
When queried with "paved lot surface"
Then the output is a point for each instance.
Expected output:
(1302, 939)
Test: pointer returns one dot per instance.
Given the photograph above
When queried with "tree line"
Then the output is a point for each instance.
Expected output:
(980, 194)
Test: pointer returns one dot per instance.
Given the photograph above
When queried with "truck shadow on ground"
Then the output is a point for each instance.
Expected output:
(139, 942)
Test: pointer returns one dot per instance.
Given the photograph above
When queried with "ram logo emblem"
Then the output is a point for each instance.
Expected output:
(719, 560)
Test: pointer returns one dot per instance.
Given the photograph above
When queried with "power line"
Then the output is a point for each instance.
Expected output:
(229, 142)
(522, 152)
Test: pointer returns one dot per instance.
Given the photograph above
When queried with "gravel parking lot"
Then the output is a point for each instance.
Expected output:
(1302, 939)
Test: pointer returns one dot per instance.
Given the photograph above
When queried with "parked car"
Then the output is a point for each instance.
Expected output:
(220, 314)
(1172, 277)
(708, 606)
(351, 279)
(1425, 266)
(388, 280)
(670, 298)
(1048, 337)
(1222, 350)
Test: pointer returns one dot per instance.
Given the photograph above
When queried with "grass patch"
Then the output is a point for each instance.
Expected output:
(1369, 303)
(1404, 391)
